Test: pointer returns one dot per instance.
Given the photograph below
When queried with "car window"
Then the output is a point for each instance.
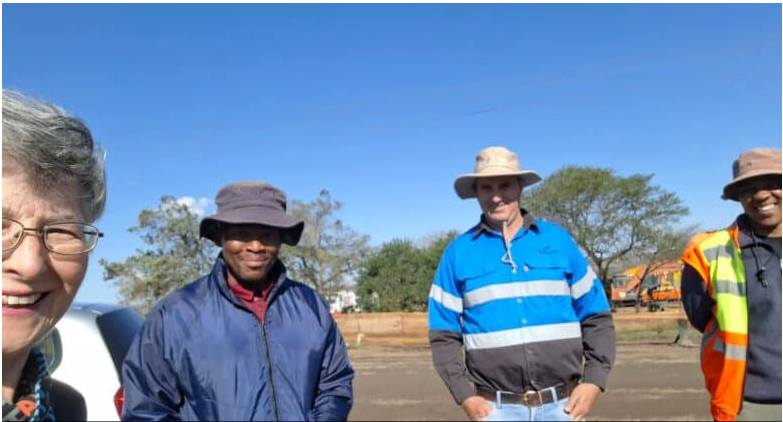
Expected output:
(118, 329)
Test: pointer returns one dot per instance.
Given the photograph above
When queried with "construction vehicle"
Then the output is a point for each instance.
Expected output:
(653, 287)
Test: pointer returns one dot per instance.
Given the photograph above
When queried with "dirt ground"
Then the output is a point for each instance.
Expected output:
(651, 380)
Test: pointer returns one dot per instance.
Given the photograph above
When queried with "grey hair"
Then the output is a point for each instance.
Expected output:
(54, 148)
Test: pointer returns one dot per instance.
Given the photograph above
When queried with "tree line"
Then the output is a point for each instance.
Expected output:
(617, 222)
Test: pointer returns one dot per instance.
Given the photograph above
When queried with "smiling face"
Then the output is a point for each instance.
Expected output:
(499, 199)
(760, 198)
(38, 285)
(250, 252)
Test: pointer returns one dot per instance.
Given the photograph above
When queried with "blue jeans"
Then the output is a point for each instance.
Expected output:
(519, 412)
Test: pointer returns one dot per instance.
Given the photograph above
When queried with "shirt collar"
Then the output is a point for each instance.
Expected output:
(528, 222)
(744, 238)
(30, 391)
(218, 279)
(247, 294)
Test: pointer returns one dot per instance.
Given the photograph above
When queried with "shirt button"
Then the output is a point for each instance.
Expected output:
(519, 300)
(524, 321)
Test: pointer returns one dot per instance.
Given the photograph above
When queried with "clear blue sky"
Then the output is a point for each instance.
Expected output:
(385, 105)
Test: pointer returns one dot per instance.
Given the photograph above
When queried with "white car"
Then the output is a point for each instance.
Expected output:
(86, 351)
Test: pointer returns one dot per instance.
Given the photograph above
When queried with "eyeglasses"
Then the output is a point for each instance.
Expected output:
(63, 238)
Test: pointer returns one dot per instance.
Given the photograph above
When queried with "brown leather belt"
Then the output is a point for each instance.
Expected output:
(530, 398)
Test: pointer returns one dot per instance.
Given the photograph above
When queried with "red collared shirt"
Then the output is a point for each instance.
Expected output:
(255, 300)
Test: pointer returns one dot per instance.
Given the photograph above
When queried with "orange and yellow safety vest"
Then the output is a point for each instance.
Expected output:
(716, 257)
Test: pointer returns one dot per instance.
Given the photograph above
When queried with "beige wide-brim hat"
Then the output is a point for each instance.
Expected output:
(493, 162)
(752, 163)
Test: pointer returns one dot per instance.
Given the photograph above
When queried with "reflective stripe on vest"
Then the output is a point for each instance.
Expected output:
(724, 345)
(727, 279)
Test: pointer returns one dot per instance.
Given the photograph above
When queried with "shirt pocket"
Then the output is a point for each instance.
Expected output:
(478, 275)
(553, 266)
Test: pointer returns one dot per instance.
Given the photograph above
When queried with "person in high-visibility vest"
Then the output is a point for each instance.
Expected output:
(731, 292)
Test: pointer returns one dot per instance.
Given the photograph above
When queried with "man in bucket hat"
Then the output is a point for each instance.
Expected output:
(518, 294)
(731, 292)
(244, 342)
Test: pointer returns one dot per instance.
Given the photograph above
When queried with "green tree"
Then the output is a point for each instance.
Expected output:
(609, 216)
(391, 279)
(433, 251)
(174, 256)
(329, 251)
(398, 276)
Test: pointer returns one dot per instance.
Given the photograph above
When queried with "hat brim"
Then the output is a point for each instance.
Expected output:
(464, 185)
(290, 227)
(730, 190)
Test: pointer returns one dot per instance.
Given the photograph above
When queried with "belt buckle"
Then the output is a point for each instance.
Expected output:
(528, 395)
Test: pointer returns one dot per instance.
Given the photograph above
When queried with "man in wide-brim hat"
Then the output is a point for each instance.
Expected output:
(518, 295)
(731, 291)
(244, 342)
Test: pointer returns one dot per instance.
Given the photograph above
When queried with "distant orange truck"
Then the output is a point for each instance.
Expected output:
(662, 281)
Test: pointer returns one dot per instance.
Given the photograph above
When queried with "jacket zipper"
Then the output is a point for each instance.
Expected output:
(269, 363)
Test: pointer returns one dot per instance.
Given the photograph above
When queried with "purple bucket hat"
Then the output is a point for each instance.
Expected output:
(252, 203)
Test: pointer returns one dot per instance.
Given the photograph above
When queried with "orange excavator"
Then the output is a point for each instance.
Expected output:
(653, 287)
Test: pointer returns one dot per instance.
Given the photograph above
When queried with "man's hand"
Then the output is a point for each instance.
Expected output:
(476, 407)
(582, 400)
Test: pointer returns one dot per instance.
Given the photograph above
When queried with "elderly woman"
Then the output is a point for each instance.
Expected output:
(54, 186)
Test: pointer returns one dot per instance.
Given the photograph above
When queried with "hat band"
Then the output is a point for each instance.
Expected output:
(235, 207)
(497, 166)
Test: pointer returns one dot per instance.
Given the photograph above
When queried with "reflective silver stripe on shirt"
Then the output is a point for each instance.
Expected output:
(524, 335)
(522, 288)
(448, 300)
(581, 287)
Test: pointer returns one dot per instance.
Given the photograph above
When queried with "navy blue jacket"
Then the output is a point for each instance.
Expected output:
(202, 355)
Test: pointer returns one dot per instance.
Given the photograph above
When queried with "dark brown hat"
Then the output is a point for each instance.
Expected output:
(753, 163)
(252, 203)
